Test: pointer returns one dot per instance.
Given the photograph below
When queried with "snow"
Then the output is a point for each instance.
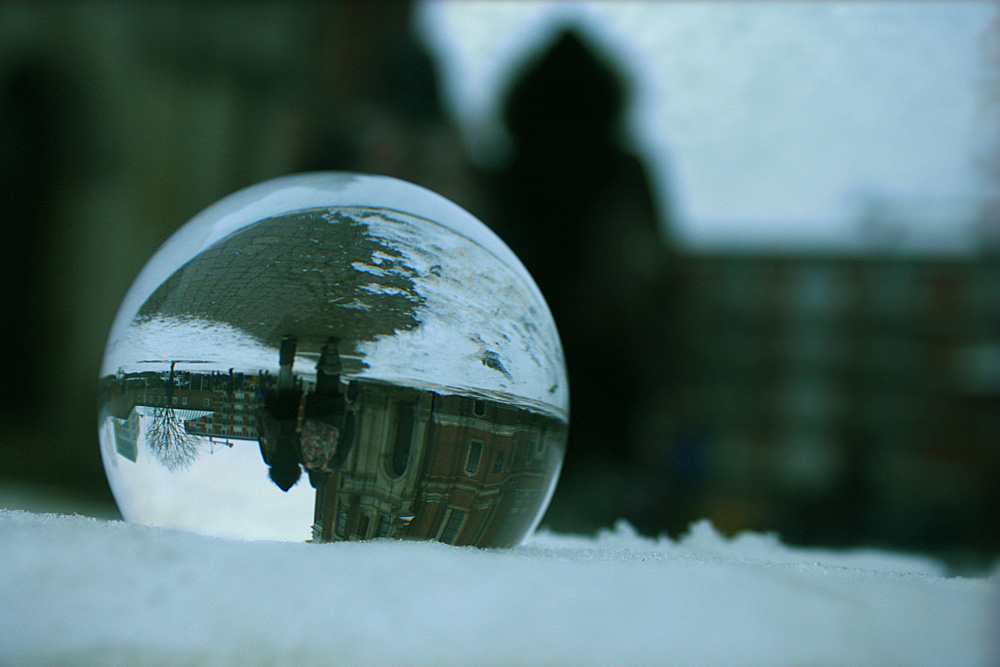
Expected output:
(78, 590)
(476, 307)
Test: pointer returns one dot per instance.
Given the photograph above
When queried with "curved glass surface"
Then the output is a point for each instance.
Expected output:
(332, 357)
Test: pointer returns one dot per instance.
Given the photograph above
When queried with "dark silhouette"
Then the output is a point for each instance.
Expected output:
(578, 210)
(378, 109)
(40, 142)
(284, 469)
(323, 439)
(278, 440)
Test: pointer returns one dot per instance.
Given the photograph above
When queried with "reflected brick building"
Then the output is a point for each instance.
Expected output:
(460, 469)
(215, 405)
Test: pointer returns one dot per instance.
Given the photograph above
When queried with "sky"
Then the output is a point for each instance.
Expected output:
(766, 122)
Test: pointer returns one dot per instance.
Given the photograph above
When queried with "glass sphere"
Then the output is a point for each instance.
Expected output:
(332, 356)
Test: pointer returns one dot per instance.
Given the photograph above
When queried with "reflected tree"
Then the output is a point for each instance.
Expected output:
(168, 440)
(312, 274)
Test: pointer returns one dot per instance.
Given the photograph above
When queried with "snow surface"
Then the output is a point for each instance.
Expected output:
(77, 590)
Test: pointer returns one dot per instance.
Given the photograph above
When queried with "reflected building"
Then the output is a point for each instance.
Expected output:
(835, 399)
(412, 464)
(456, 468)
(215, 405)
(127, 436)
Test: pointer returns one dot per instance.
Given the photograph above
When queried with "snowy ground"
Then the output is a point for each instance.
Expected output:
(79, 590)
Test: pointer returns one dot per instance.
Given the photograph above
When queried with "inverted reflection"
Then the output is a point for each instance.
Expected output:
(391, 378)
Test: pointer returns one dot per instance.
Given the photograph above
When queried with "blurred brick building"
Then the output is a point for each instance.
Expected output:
(835, 399)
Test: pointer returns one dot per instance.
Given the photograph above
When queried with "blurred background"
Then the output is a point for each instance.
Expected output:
(769, 232)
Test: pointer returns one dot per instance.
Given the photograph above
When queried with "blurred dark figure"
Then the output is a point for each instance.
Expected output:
(579, 212)
(313, 429)
(378, 109)
(43, 139)
(36, 140)
(277, 421)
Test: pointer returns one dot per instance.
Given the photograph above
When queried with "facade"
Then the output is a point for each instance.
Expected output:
(124, 120)
(421, 464)
(221, 406)
(127, 436)
(853, 395)
(455, 468)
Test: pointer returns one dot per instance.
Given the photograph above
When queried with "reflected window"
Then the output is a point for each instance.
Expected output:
(383, 526)
(479, 408)
(341, 528)
(475, 453)
(404, 436)
(453, 526)
(498, 465)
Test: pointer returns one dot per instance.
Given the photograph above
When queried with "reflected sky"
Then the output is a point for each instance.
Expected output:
(224, 492)
(767, 122)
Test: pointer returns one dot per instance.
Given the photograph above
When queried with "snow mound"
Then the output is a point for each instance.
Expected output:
(76, 590)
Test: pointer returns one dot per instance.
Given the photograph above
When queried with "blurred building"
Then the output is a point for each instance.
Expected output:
(120, 121)
(835, 399)
(831, 398)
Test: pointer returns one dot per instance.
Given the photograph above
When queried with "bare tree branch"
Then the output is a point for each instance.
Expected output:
(169, 441)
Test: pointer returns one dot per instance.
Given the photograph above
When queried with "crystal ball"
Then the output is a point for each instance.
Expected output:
(335, 356)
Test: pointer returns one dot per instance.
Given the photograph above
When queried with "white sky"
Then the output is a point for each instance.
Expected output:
(765, 122)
